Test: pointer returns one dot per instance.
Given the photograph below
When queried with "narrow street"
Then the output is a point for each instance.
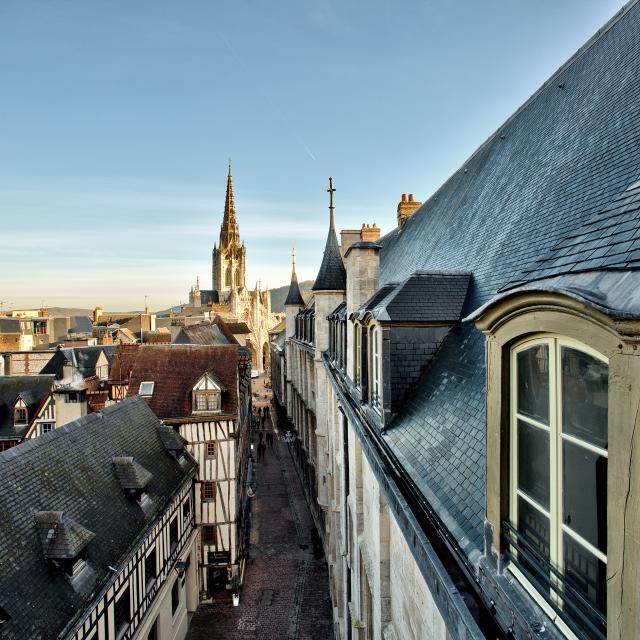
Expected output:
(285, 594)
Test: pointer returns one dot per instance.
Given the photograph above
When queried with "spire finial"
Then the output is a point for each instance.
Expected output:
(331, 191)
(293, 263)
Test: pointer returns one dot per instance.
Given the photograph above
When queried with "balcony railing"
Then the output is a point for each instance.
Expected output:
(559, 591)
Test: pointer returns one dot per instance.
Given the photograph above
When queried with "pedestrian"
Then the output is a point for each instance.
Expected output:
(262, 448)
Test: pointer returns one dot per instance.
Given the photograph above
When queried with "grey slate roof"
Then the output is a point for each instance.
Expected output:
(10, 325)
(71, 470)
(33, 389)
(294, 297)
(379, 295)
(562, 158)
(130, 474)
(425, 296)
(81, 324)
(60, 536)
(204, 333)
(610, 239)
(84, 359)
(332, 275)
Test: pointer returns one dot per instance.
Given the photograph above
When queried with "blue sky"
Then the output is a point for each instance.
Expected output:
(117, 119)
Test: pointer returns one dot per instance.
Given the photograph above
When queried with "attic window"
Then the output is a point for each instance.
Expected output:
(20, 416)
(133, 477)
(146, 389)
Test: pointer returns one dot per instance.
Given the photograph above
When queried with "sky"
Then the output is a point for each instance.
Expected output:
(117, 120)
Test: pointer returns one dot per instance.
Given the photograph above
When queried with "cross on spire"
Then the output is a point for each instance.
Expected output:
(293, 261)
(331, 191)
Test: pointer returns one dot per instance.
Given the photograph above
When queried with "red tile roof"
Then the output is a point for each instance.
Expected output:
(175, 369)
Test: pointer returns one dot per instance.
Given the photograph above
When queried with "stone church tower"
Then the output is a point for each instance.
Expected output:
(228, 261)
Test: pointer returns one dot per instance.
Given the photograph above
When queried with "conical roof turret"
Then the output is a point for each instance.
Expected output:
(332, 275)
(294, 297)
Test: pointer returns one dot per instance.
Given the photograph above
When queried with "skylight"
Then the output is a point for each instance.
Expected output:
(146, 388)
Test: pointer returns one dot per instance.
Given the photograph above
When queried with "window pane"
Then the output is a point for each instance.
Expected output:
(534, 525)
(585, 573)
(533, 383)
(585, 388)
(585, 493)
(533, 462)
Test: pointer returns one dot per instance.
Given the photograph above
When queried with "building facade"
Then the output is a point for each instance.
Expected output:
(468, 396)
(204, 394)
(229, 295)
(100, 546)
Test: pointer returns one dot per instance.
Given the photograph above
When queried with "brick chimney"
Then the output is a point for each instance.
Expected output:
(406, 208)
(370, 233)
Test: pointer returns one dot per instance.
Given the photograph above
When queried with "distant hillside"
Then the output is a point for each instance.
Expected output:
(279, 295)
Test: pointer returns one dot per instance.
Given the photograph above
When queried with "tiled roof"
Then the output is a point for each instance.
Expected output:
(175, 369)
(332, 275)
(33, 389)
(70, 470)
(542, 178)
(84, 359)
(425, 296)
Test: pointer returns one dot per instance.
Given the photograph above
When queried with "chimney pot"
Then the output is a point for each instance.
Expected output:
(411, 197)
(404, 197)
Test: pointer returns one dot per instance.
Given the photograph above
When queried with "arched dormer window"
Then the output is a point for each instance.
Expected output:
(558, 467)
(357, 355)
(374, 369)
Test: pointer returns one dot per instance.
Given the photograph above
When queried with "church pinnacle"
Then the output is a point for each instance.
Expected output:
(229, 234)
(294, 297)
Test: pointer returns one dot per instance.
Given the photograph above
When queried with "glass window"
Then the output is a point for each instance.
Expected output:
(146, 388)
(45, 427)
(173, 534)
(150, 567)
(20, 416)
(209, 491)
(208, 534)
(175, 596)
(211, 449)
(374, 368)
(122, 613)
(357, 364)
(559, 463)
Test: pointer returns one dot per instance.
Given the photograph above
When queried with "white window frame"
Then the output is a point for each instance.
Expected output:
(146, 395)
(357, 356)
(375, 390)
(556, 526)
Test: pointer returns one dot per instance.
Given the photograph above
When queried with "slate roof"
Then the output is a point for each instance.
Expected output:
(60, 536)
(84, 359)
(81, 324)
(425, 296)
(537, 182)
(379, 295)
(175, 369)
(70, 470)
(131, 474)
(205, 334)
(10, 325)
(332, 275)
(294, 297)
(33, 389)
(209, 296)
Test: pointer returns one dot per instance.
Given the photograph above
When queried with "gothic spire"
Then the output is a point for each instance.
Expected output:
(332, 275)
(294, 297)
(229, 233)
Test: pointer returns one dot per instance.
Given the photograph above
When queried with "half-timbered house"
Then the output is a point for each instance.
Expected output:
(204, 393)
(100, 543)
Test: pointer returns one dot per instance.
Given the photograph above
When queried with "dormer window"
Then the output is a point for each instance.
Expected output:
(207, 394)
(20, 416)
(374, 368)
(133, 477)
(146, 389)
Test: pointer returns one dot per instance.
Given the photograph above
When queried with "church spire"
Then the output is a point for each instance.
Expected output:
(229, 233)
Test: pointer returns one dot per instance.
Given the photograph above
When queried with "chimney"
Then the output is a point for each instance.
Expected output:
(44, 312)
(347, 238)
(369, 233)
(97, 313)
(362, 262)
(67, 370)
(406, 208)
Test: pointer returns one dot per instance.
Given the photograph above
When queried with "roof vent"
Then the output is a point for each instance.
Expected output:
(131, 475)
(61, 537)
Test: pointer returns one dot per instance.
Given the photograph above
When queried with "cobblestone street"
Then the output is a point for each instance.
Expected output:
(285, 594)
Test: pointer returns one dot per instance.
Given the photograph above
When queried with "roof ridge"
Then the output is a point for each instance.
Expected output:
(568, 63)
